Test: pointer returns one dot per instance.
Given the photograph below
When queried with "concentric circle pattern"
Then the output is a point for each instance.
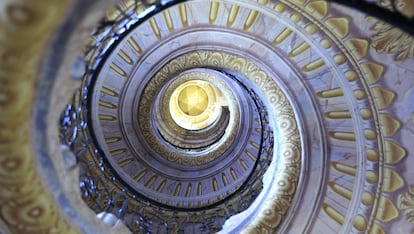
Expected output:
(192, 98)
(188, 121)
(193, 132)
(194, 102)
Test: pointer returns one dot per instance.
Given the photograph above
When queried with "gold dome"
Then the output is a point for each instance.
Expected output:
(193, 100)
(193, 104)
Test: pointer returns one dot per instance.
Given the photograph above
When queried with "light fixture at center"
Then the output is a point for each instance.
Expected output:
(193, 100)
(194, 104)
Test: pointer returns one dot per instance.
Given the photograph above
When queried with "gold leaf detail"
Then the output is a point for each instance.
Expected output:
(386, 210)
(393, 41)
(282, 36)
(342, 136)
(340, 190)
(389, 125)
(214, 6)
(393, 153)
(392, 181)
(376, 228)
(360, 223)
(340, 26)
(299, 1)
(232, 16)
(313, 65)
(338, 115)
(319, 9)
(406, 203)
(358, 47)
(331, 93)
(333, 214)
(372, 71)
(383, 97)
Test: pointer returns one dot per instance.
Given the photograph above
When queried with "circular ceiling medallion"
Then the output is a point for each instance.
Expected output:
(192, 98)
(193, 105)
(204, 116)
(209, 125)
(290, 75)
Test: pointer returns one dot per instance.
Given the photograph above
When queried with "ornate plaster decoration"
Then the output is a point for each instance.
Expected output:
(392, 41)
(26, 206)
(406, 203)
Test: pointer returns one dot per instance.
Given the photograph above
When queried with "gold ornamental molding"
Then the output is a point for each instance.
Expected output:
(391, 40)
(406, 203)
(26, 205)
(183, 63)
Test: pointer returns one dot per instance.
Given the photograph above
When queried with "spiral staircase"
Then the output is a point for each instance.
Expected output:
(205, 116)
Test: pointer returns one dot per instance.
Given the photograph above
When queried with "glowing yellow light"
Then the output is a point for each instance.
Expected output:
(193, 100)
(194, 104)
